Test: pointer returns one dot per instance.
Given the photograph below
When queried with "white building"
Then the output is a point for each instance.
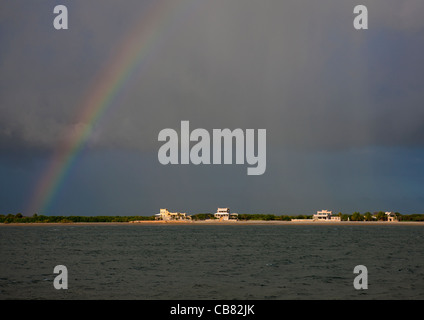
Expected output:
(224, 214)
(168, 216)
(391, 217)
(325, 215)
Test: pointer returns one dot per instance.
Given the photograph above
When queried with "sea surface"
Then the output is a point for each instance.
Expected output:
(241, 262)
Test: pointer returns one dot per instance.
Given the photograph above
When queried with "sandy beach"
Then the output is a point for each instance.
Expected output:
(274, 222)
(228, 223)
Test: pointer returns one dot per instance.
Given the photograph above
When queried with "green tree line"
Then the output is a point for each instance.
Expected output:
(19, 218)
(356, 216)
(379, 216)
(245, 217)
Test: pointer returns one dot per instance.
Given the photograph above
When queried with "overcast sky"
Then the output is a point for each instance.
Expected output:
(343, 108)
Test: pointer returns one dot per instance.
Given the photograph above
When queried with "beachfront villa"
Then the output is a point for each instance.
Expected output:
(391, 217)
(325, 215)
(165, 215)
(224, 214)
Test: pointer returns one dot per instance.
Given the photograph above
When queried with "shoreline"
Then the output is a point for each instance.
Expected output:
(223, 223)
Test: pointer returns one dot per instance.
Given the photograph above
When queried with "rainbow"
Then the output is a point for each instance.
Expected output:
(141, 40)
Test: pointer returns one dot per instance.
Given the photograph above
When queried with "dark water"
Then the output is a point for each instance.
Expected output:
(211, 262)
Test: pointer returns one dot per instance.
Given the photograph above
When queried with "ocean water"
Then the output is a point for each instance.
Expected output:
(241, 262)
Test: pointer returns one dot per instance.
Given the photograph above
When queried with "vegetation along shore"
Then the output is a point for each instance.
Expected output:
(203, 217)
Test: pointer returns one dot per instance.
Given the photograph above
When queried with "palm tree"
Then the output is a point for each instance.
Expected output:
(368, 216)
(356, 216)
(381, 216)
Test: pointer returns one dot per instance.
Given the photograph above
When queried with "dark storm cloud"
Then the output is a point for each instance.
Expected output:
(45, 73)
(295, 68)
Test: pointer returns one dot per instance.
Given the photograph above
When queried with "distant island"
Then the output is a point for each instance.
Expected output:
(356, 216)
